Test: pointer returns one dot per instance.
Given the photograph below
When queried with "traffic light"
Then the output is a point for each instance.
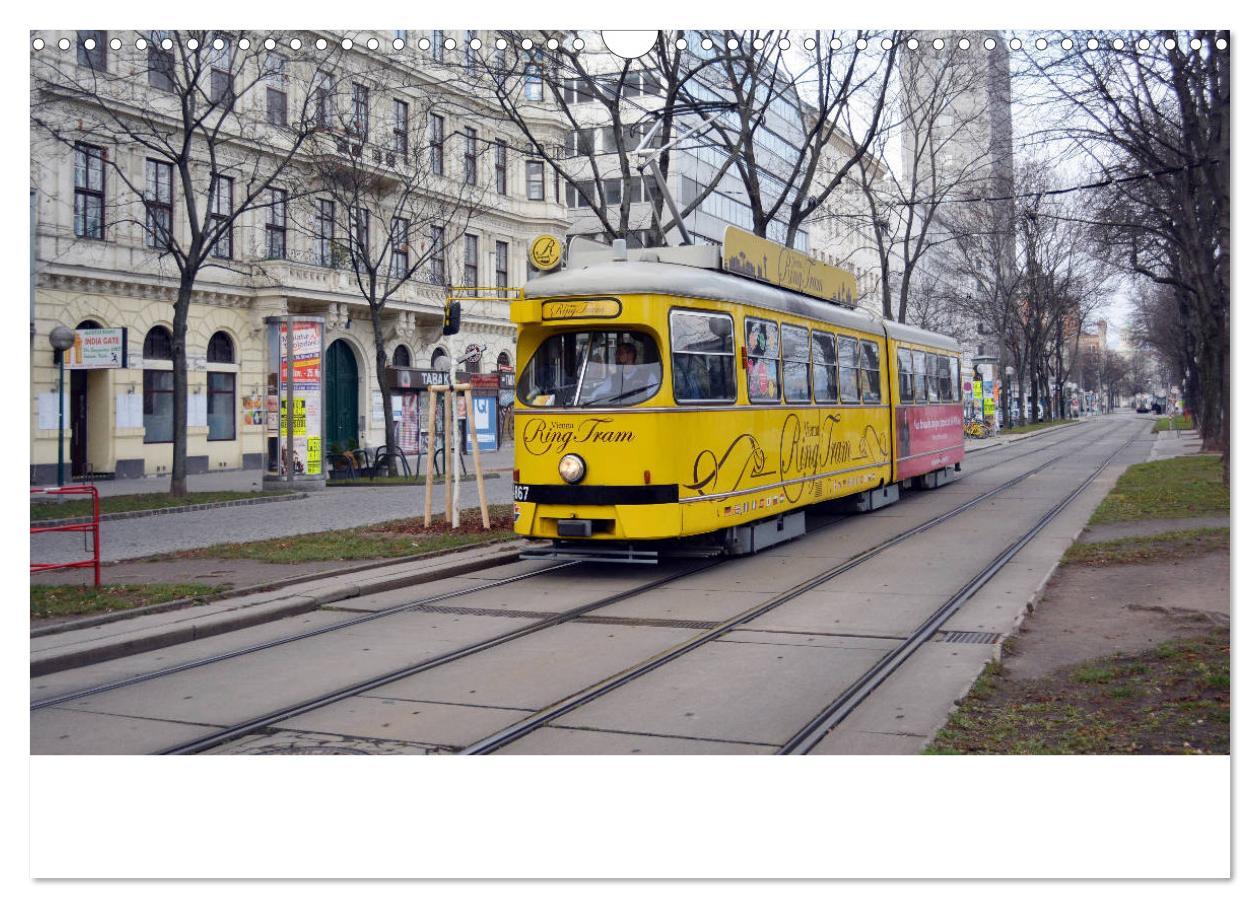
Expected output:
(450, 321)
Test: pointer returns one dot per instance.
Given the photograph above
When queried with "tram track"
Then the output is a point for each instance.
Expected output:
(812, 734)
(422, 603)
(262, 722)
(550, 714)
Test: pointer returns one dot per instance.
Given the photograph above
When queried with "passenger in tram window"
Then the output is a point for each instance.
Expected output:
(763, 381)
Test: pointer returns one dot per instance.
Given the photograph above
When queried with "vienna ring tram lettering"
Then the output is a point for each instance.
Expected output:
(716, 402)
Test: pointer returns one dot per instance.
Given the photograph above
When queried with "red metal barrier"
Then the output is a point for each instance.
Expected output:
(94, 525)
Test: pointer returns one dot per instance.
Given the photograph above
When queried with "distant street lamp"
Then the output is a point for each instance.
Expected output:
(62, 339)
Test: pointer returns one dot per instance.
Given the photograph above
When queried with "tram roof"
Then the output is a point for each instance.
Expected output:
(666, 279)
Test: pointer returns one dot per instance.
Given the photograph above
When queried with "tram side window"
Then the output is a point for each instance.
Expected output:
(703, 345)
(920, 376)
(763, 359)
(872, 393)
(933, 379)
(955, 376)
(944, 371)
(905, 374)
(795, 364)
(849, 392)
(824, 354)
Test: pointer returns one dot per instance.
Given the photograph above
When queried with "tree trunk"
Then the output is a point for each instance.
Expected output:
(179, 368)
(382, 383)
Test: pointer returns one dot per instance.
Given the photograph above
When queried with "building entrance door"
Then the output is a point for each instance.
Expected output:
(341, 396)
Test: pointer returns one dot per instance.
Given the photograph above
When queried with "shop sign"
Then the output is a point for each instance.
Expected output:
(98, 348)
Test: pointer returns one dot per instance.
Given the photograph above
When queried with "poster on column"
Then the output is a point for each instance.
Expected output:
(307, 454)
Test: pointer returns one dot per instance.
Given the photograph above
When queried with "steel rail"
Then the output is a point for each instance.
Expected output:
(808, 737)
(288, 638)
(549, 714)
(243, 728)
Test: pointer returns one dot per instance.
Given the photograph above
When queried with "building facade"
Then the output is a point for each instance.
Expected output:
(693, 164)
(97, 204)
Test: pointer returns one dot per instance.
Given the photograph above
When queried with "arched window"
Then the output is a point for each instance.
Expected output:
(220, 349)
(402, 356)
(504, 363)
(438, 353)
(88, 324)
(157, 343)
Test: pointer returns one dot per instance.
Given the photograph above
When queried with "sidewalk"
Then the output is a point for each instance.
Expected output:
(499, 461)
(971, 445)
(337, 508)
(1176, 443)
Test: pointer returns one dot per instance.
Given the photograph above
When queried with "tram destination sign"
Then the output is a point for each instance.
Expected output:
(98, 348)
(771, 263)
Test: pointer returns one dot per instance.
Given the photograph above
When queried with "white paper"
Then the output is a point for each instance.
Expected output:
(128, 411)
(197, 409)
(47, 417)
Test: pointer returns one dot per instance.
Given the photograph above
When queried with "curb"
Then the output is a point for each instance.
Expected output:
(159, 512)
(251, 615)
(155, 608)
(437, 481)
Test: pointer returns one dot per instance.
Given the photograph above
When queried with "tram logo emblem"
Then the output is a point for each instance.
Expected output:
(544, 252)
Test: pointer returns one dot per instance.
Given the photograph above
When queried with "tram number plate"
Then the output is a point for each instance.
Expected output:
(520, 493)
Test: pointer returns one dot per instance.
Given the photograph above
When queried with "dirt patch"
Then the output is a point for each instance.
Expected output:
(1088, 612)
(1170, 699)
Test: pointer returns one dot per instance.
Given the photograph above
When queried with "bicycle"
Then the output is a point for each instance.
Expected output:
(977, 429)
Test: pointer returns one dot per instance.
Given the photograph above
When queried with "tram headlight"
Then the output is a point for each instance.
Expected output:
(572, 468)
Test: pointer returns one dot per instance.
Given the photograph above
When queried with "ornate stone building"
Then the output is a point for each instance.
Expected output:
(94, 263)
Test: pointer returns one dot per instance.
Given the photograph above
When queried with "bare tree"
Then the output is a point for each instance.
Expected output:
(198, 128)
(608, 106)
(390, 210)
(936, 132)
(792, 110)
(1151, 110)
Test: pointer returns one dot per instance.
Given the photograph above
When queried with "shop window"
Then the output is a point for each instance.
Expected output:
(221, 405)
(159, 406)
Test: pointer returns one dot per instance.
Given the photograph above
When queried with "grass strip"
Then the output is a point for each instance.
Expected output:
(391, 539)
(1173, 699)
(1190, 486)
(1141, 549)
(47, 508)
(1166, 423)
(66, 600)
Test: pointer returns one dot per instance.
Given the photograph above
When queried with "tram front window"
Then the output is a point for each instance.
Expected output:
(592, 369)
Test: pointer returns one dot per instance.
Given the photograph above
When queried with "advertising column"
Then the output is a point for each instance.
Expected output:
(295, 399)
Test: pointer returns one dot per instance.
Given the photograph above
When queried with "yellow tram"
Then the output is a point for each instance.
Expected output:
(692, 393)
